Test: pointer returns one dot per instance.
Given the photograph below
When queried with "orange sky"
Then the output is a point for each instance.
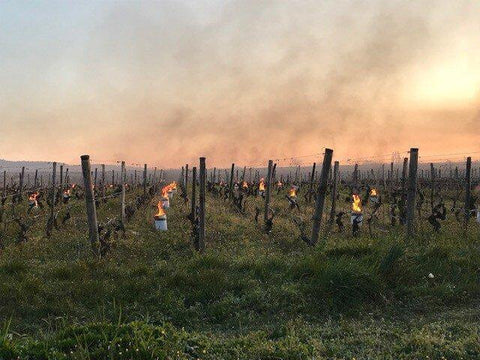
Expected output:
(242, 81)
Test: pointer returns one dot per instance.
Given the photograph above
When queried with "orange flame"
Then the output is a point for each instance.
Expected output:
(356, 204)
(292, 192)
(167, 188)
(279, 183)
(160, 212)
(33, 198)
(244, 184)
(261, 186)
(373, 192)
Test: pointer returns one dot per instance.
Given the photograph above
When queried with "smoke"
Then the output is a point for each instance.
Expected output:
(244, 81)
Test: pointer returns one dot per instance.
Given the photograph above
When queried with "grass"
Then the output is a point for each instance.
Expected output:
(249, 296)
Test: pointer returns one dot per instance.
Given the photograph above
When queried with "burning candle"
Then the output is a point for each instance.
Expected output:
(261, 187)
(160, 218)
(293, 192)
(373, 195)
(32, 199)
(356, 216)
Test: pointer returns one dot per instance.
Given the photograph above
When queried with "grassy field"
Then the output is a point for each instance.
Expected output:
(249, 296)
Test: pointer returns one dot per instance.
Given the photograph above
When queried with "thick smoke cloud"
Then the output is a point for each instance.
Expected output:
(166, 82)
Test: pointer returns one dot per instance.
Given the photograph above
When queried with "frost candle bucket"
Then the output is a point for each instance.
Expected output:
(170, 193)
(261, 187)
(356, 218)
(161, 222)
(165, 202)
(160, 218)
(478, 216)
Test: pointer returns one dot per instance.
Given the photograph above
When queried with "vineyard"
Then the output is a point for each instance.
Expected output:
(336, 261)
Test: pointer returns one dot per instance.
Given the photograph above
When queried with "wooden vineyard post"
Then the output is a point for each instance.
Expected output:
(201, 215)
(412, 192)
(432, 190)
(194, 193)
(468, 174)
(35, 179)
(274, 171)
(54, 175)
(144, 179)
(268, 190)
(4, 193)
(113, 177)
(95, 178)
(20, 190)
(90, 202)
(182, 176)
(404, 176)
(103, 179)
(61, 179)
(334, 193)
(312, 179)
(391, 178)
(122, 179)
(186, 177)
(322, 190)
(231, 181)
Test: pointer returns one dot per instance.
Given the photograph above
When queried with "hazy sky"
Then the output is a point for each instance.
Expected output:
(166, 82)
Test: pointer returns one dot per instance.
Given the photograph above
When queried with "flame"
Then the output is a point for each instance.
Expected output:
(261, 186)
(33, 198)
(167, 188)
(373, 192)
(66, 192)
(279, 183)
(244, 184)
(292, 192)
(356, 204)
(160, 212)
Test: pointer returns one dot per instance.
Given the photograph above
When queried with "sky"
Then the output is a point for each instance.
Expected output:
(166, 82)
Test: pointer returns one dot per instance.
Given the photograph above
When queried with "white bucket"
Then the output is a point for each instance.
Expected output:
(170, 194)
(374, 199)
(161, 223)
(174, 191)
(478, 216)
(261, 192)
(165, 203)
(356, 217)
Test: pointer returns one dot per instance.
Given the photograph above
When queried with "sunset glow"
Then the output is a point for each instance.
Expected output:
(221, 79)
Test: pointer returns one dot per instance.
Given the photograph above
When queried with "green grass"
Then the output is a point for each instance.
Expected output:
(249, 296)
